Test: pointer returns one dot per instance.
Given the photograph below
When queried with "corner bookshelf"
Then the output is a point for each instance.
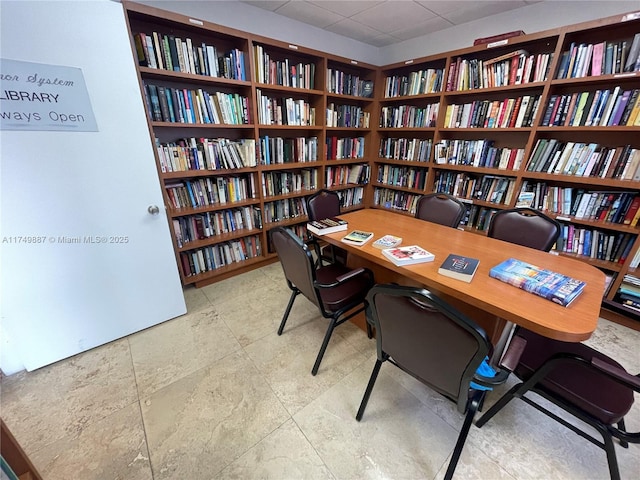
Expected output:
(485, 123)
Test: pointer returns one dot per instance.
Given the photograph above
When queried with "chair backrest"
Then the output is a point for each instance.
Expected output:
(525, 226)
(427, 338)
(440, 208)
(297, 262)
(323, 204)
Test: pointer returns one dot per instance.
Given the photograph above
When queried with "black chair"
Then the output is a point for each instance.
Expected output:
(440, 208)
(325, 204)
(424, 336)
(580, 380)
(338, 292)
(525, 226)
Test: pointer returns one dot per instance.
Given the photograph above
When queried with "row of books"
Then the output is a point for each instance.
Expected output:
(348, 116)
(286, 209)
(209, 191)
(628, 293)
(478, 153)
(286, 73)
(348, 84)
(168, 52)
(279, 150)
(396, 200)
(508, 113)
(345, 147)
(407, 177)
(357, 174)
(477, 217)
(167, 104)
(351, 197)
(603, 58)
(596, 244)
(284, 111)
(409, 116)
(599, 206)
(604, 108)
(487, 188)
(214, 257)
(513, 68)
(284, 183)
(410, 149)
(206, 154)
(419, 82)
(585, 160)
(209, 224)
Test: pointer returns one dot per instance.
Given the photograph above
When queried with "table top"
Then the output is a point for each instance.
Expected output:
(572, 324)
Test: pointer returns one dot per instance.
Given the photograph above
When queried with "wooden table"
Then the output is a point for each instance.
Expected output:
(485, 298)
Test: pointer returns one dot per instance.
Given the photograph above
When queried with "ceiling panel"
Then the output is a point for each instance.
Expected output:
(385, 22)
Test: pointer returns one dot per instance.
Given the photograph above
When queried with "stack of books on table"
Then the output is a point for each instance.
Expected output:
(553, 286)
(326, 226)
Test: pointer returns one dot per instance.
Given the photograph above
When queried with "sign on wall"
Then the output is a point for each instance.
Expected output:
(36, 96)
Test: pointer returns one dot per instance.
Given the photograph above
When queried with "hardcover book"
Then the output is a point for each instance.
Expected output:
(553, 286)
(408, 255)
(388, 241)
(357, 237)
(327, 225)
(459, 267)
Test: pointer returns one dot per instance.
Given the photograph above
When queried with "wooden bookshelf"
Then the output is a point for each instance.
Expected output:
(484, 144)
(473, 122)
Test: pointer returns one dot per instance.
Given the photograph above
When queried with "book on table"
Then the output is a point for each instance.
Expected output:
(459, 267)
(326, 226)
(357, 237)
(387, 241)
(557, 287)
(408, 255)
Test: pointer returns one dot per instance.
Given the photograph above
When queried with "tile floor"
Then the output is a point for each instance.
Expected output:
(216, 394)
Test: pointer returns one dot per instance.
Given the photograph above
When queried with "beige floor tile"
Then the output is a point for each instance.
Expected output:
(179, 347)
(112, 448)
(63, 399)
(398, 436)
(200, 424)
(286, 361)
(285, 455)
(259, 312)
(195, 299)
(474, 464)
(234, 287)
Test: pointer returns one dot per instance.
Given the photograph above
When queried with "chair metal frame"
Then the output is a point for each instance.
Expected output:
(437, 201)
(535, 384)
(469, 399)
(340, 277)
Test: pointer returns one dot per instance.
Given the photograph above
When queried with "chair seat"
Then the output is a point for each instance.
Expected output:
(599, 396)
(351, 292)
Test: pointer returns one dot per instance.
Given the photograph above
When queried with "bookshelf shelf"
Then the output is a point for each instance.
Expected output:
(409, 106)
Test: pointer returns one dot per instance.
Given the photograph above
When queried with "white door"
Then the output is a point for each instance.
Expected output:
(83, 261)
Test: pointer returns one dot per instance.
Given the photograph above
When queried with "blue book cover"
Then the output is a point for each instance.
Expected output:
(553, 286)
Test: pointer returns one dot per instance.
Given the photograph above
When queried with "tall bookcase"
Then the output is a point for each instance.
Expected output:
(484, 123)
(243, 136)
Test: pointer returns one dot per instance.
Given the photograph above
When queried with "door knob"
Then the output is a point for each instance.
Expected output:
(153, 209)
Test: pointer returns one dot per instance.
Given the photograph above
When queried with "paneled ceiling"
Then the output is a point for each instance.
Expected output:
(382, 23)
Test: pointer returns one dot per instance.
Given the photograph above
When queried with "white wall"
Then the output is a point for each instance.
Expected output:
(531, 19)
(247, 18)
